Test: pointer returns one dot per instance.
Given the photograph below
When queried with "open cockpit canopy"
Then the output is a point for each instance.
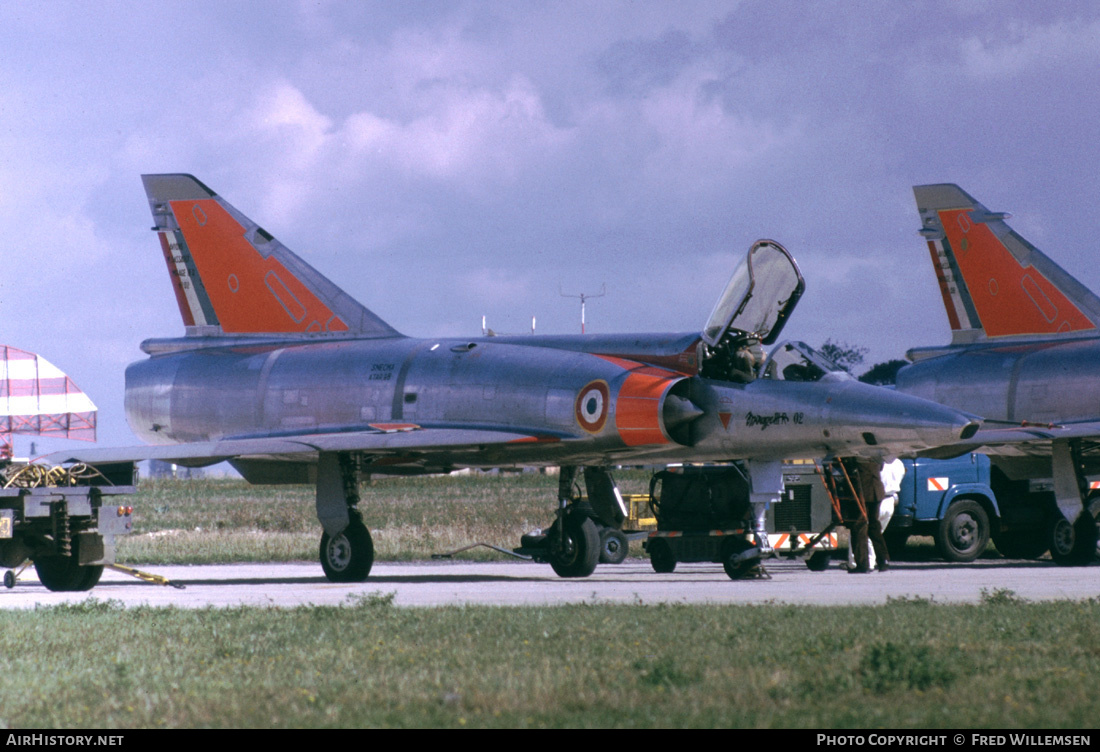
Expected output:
(759, 297)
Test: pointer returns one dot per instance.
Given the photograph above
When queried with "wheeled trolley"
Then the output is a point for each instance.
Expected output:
(703, 514)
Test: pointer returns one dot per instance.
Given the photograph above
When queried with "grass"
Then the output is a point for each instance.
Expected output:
(910, 664)
(223, 520)
(1004, 663)
(220, 520)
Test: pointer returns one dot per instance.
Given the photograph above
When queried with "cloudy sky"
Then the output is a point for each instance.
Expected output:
(447, 160)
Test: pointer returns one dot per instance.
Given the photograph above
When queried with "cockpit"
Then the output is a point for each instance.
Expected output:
(797, 361)
(751, 312)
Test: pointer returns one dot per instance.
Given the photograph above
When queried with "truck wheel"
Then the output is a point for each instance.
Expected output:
(348, 555)
(576, 551)
(661, 557)
(1021, 544)
(91, 577)
(613, 546)
(1073, 545)
(963, 532)
(62, 574)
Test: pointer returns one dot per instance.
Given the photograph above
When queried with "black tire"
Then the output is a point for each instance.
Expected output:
(819, 561)
(737, 567)
(62, 574)
(1021, 544)
(349, 555)
(1073, 545)
(661, 557)
(576, 551)
(963, 533)
(614, 546)
(91, 577)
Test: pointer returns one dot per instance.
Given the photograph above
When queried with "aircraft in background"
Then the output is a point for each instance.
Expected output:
(291, 380)
(1025, 351)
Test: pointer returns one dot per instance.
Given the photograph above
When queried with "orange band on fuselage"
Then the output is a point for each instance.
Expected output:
(638, 405)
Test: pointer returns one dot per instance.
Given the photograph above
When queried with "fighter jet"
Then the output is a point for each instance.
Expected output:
(1025, 352)
(291, 380)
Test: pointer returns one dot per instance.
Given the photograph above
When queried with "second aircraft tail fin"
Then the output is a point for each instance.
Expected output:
(995, 284)
(231, 277)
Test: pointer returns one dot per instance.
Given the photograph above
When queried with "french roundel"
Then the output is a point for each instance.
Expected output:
(591, 407)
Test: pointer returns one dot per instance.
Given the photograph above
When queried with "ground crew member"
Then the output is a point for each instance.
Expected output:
(868, 483)
(891, 475)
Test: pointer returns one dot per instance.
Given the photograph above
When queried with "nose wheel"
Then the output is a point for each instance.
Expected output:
(575, 548)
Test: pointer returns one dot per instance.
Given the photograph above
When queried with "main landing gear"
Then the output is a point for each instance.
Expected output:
(347, 551)
(585, 532)
(1073, 534)
(1078, 543)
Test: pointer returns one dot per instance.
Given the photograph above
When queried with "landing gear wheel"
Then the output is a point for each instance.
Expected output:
(1021, 544)
(963, 532)
(736, 565)
(575, 551)
(349, 555)
(1074, 545)
(613, 546)
(661, 557)
(819, 561)
(9, 579)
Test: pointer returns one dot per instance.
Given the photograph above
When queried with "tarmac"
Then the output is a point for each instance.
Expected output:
(512, 583)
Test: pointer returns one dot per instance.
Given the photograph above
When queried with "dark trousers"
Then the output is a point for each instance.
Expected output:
(861, 531)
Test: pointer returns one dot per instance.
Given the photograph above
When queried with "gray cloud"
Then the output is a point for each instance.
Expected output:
(445, 161)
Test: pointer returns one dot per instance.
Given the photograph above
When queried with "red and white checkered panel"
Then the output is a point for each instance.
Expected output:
(38, 398)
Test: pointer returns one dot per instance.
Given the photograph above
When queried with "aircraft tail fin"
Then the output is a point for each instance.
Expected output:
(997, 286)
(232, 277)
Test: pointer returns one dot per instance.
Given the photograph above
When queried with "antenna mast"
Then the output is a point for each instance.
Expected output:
(584, 297)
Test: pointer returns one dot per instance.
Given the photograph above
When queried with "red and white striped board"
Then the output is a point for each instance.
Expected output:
(783, 540)
(36, 397)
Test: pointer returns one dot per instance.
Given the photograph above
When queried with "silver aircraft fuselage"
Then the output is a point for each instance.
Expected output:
(1040, 382)
(576, 400)
(1047, 388)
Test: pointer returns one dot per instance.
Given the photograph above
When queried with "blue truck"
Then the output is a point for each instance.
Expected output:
(963, 502)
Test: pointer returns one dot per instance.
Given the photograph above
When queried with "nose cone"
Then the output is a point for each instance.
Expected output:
(898, 423)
